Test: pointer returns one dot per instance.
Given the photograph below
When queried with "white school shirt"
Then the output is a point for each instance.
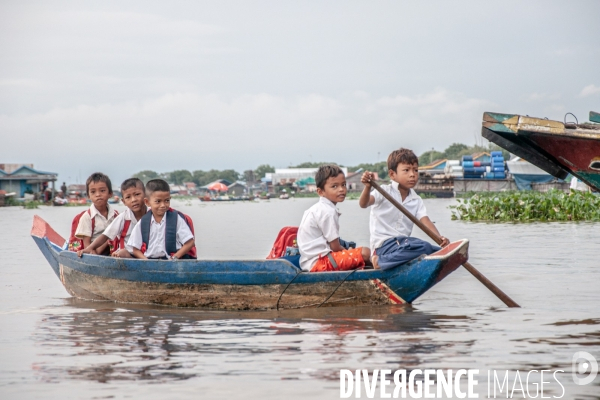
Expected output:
(116, 227)
(85, 223)
(320, 225)
(156, 238)
(387, 221)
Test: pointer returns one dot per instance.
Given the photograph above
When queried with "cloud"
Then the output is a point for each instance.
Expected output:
(542, 97)
(18, 82)
(589, 90)
(202, 131)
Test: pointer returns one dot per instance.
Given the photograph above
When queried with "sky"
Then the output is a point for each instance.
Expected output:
(121, 87)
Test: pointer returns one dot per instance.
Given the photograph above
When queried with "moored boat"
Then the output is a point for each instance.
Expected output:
(556, 147)
(239, 284)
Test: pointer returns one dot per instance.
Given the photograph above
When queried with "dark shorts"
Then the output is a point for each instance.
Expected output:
(400, 250)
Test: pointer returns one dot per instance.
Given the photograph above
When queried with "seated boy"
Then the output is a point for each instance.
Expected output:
(163, 233)
(390, 229)
(318, 234)
(93, 223)
(132, 192)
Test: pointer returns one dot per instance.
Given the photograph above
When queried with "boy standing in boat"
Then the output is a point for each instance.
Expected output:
(390, 229)
(319, 232)
(133, 195)
(93, 222)
(163, 233)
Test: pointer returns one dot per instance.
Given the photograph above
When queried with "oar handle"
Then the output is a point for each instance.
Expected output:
(486, 282)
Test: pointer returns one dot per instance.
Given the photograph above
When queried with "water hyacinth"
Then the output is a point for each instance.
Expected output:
(529, 206)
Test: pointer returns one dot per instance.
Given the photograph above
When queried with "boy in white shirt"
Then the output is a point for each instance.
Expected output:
(100, 214)
(164, 233)
(319, 232)
(132, 192)
(390, 229)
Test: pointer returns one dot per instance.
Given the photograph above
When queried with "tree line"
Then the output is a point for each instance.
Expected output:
(453, 152)
(456, 150)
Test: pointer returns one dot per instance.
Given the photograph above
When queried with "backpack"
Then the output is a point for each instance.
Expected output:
(286, 243)
(170, 232)
(121, 240)
(76, 244)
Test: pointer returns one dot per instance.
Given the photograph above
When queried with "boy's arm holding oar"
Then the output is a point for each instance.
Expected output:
(366, 200)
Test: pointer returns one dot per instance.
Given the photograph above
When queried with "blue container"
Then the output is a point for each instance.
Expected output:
(467, 158)
(498, 175)
(467, 164)
(497, 165)
(490, 175)
(473, 176)
(497, 159)
(496, 153)
(474, 170)
(498, 169)
(486, 163)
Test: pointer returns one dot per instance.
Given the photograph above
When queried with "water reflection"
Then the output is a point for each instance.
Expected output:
(99, 343)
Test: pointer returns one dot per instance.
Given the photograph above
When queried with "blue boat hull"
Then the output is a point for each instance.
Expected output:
(240, 284)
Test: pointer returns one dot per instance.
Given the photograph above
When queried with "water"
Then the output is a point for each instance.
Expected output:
(56, 347)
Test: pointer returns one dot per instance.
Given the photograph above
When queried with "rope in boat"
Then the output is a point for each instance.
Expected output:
(324, 301)
(338, 286)
(288, 285)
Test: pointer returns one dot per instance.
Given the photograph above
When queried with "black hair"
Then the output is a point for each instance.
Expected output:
(130, 183)
(325, 172)
(401, 156)
(95, 178)
(157, 185)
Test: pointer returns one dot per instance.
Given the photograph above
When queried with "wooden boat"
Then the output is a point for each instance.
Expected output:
(557, 148)
(224, 198)
(239, 284)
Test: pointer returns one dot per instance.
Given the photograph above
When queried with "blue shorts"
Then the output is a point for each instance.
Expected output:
(399, 250)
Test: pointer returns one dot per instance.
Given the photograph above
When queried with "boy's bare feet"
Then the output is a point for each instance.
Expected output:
(122, 253)
(374, 260)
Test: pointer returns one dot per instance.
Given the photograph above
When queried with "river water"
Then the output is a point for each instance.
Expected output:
(55, 347)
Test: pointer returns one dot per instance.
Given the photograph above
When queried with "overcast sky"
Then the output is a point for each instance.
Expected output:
(121, 87)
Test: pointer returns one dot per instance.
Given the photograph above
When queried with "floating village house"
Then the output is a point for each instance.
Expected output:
(287, 178)
(436, 167)
(237, 189)
(23, 178)
(353, 182)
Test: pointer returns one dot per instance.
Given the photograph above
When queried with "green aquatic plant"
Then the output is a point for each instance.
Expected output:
(529, 206)
(11, 202)
(31, 204)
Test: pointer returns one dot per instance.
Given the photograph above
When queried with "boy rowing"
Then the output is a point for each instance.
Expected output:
(390, 229)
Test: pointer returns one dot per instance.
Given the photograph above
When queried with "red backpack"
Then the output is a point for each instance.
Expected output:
(76, 244)
(120, 240)
(286, 243)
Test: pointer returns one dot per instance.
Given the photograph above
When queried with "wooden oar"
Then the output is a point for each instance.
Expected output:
(486, 282)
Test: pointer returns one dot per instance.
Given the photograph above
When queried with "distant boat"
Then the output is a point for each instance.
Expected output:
(240, 284)
(555, 147)
(224, 198)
